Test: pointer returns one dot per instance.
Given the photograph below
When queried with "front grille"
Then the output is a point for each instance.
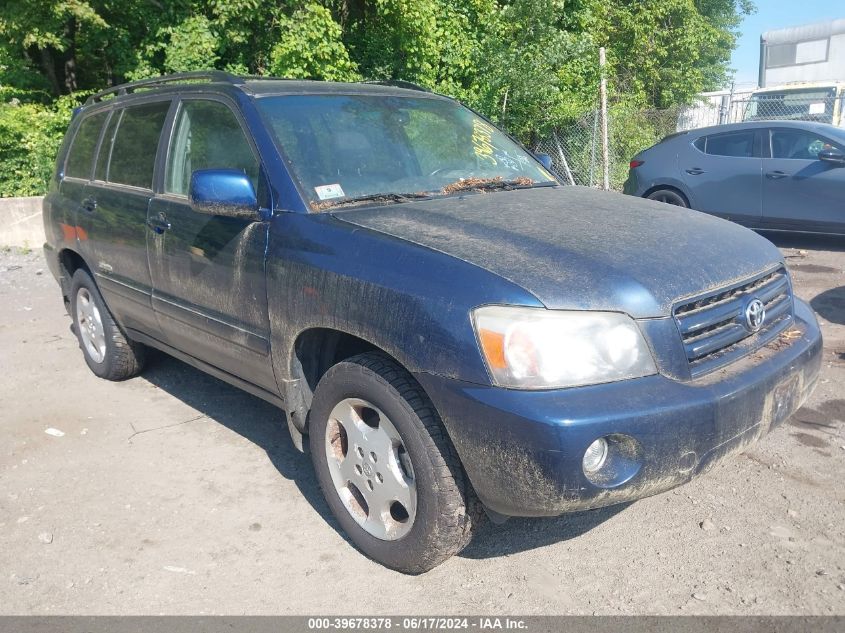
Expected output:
(714, 328)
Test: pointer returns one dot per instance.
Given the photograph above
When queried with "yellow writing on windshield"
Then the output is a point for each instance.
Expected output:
(482, 141)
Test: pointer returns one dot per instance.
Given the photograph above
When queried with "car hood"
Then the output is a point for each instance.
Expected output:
(581, 249)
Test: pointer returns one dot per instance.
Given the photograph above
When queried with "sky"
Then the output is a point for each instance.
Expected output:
(776, 14)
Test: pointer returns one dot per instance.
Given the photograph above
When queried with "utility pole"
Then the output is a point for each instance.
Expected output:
(604, 141)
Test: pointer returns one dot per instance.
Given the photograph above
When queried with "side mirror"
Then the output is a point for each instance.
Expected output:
(832, 156)
(545, 159)
(226, 192)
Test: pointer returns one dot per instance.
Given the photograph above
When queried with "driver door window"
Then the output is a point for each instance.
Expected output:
(207, 136)
(799, 144)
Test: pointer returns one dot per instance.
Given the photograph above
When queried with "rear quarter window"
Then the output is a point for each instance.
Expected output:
(84, 144)
(735, 144)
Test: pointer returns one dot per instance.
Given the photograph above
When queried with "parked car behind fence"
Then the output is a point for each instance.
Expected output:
(772, 175)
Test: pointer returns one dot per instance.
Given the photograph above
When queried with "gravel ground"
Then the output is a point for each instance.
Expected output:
(174, 493)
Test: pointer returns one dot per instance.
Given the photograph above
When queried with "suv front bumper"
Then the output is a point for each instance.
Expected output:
(523, 450)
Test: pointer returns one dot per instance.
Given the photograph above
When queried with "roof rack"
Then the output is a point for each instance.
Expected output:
(398, 83)
(220, 76)
(154, 82)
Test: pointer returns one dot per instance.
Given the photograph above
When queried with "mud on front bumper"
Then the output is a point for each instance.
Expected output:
(523, 450)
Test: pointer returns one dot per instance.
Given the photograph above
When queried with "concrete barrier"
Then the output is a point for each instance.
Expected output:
(20, 222)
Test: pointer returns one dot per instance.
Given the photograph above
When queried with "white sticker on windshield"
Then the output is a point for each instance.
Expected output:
(817, 108)
(327, 192)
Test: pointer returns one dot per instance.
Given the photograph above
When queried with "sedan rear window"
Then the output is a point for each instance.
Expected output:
(737, 144)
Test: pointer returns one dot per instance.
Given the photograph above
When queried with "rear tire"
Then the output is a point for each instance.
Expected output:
(404, 501)
(668, 196)
(107, 351)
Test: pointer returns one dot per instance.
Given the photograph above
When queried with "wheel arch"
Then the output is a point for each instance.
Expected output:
(314, 351)
(669, 187)
(69, 262)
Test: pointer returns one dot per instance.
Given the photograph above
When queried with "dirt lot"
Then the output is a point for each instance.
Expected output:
(174, 493)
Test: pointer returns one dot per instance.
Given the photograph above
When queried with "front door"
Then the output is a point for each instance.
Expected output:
(209, 288)
(723, 173)
(801, 192)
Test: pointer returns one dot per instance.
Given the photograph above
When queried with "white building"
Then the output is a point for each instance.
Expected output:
(810, 53)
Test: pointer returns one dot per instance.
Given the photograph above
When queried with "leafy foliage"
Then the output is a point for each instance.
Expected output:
(30, 136)
(310, 47)
(528, 64)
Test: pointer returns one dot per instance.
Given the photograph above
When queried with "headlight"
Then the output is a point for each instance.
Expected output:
(534, 348)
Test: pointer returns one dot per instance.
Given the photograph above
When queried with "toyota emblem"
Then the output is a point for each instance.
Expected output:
(755, 315)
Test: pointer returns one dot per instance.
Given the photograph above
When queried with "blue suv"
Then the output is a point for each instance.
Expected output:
(450, 332)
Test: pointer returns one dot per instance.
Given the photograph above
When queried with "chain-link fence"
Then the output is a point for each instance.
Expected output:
(819, 106)
(576, 149)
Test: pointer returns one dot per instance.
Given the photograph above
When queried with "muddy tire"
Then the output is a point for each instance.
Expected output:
(107, 351)
(387, 467)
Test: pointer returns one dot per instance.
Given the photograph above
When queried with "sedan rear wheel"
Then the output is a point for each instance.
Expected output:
(668, 196)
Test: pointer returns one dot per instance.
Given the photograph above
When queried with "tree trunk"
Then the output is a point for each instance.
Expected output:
(69, 58)
(48, 65)
(351, 11)
(59, 66)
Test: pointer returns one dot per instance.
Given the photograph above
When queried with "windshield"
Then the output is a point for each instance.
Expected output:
(347, 147)
(813, 104)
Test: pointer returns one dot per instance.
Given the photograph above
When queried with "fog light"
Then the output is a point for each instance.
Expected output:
(595, 455)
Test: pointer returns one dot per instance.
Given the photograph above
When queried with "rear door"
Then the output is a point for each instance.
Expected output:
(76, 174)
(114, 212)
(209, 287)
(801, 192)
(723, 173)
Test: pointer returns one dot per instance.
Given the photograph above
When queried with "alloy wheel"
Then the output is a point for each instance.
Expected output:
(90, 326)
(370, 469)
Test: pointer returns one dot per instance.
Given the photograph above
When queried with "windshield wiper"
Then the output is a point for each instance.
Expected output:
(375, 197)
(493, 184)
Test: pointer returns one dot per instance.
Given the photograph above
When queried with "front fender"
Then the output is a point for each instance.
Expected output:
(410, 301)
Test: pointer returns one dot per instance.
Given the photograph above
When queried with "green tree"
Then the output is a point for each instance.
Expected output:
(529, 64)
(663, 52)
(310, 47)
(45, 34)
(536, 72)
(192, 45)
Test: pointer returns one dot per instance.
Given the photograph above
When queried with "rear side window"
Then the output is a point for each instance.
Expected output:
(81, 154)
(102, 169)
(208, 136)
(736, 144)
(133, 154)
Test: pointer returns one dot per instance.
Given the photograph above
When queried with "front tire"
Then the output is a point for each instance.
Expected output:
(669, 196)
(107, 351)
(387, 467)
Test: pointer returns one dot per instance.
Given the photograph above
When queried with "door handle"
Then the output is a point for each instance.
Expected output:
(695, 171)
(159, 225)
(89, 205)
(776, 175)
